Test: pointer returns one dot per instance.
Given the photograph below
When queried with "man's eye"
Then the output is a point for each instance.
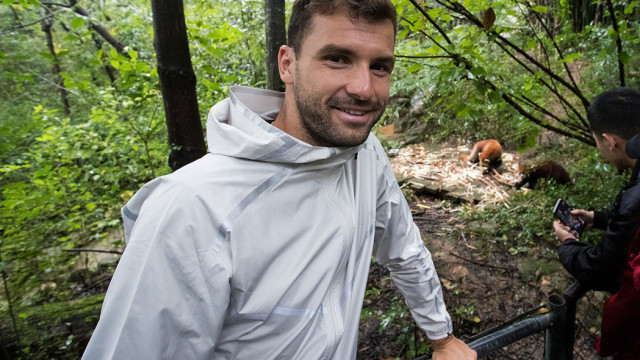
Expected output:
(381, 68)
(334, 58)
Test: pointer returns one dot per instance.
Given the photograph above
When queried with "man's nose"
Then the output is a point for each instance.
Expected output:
(360, 83)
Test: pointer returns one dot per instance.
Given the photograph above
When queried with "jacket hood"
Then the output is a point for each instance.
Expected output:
(240, 126)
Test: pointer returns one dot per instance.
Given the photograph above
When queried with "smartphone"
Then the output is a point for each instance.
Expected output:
(562, 211)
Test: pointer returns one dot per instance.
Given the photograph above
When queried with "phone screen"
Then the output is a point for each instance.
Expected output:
(562, 211)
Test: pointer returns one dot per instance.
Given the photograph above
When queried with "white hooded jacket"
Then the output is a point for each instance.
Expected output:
(261, 249)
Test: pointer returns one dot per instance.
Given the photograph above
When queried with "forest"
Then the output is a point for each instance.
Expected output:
(90, 113)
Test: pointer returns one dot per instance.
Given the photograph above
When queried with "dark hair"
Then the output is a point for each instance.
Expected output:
(303, 11)
(617, 112)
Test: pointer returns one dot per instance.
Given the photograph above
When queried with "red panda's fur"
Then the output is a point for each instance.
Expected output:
(545, 170)
(486, 151)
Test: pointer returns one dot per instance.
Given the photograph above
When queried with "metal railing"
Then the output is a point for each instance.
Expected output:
(566, 335)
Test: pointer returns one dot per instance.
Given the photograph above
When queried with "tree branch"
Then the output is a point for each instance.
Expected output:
(46, 17)
(431, 21)
(460, 9)
(545, 84)
(555, 44)
(120, 47)
(614, 21)
(424, 56)
(508, 98)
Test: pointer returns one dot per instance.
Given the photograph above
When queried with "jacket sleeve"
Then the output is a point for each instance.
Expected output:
(400, 248)
(168, 296)
(600, 219)
(598, 266)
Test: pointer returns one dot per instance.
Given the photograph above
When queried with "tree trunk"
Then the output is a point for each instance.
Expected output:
(177, 83)
(275, 37)
(46, 24)
(583, 12)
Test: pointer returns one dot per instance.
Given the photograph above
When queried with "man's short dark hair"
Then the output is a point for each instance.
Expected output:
(616, 112)
(303, 11)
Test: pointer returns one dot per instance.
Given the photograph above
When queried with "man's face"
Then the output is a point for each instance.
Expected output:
(610, 155)
(342, 78)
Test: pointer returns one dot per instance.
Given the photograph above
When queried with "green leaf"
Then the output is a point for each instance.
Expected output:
(464, 112)
(211, 85)
(403, 33)
(624, 57)
(115, 64)
(142, 67)
(63, 53)
(540, 9)
(629, 9)
(571, 57)
(45, 137)
(46, 55)
(90, 206)
(77, 22)
(433, 13)
(414, 67)
(66, 76)
(478, 71)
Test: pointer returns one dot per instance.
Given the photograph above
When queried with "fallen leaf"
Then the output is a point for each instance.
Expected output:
(459, 272)
(447, 284)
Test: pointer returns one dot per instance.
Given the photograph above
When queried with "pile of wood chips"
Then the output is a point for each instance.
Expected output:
(443, 168)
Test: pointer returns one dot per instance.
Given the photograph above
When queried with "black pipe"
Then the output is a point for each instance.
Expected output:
(513, 333)
(559, 325)
(554, 337)
(572, 295)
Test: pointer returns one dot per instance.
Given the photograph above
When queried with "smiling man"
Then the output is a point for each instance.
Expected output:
(338, 80)
(261, 249)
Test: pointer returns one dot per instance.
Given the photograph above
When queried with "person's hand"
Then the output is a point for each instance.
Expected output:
(586, 216)
(563, 232)
(450, 348)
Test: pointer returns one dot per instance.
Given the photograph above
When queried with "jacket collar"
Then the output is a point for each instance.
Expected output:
(240, 126)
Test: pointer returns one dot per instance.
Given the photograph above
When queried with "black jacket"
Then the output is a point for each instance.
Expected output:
(599, 267)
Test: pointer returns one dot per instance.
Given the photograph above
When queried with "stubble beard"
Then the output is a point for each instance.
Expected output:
(317, 120)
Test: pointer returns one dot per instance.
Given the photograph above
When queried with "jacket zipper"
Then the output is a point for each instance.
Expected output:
(334, 316)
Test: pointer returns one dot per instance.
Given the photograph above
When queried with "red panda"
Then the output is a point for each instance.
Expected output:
(545, 170)
(486, 151)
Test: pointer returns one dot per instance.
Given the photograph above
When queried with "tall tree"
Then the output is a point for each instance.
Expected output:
(275, 37)
(46, 25)
(177, 83)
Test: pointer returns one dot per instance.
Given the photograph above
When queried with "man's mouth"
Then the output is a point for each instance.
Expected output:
(354, 112)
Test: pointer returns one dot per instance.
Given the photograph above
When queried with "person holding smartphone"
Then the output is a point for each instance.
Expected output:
(614, 119)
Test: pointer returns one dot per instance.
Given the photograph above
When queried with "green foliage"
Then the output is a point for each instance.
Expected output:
(227, 47)
(466, 72)
(53, 325)
(65, 178)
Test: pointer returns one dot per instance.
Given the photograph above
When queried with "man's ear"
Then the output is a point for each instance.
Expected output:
(614, 141)
(287, 64)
